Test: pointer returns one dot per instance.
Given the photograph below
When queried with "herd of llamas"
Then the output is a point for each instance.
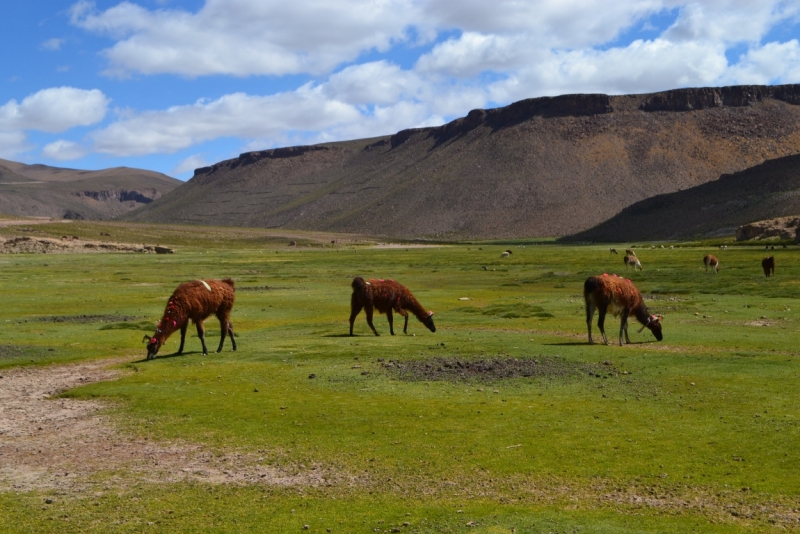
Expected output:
(197, 300)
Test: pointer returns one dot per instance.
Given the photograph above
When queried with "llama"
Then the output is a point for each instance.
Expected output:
(195, 301)
(768, 264)
(385, 296)
(620, 297)
(632, 261)
(506, 253)
(711, 261)
(613, 251)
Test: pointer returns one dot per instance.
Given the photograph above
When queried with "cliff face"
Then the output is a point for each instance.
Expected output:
(538, 167)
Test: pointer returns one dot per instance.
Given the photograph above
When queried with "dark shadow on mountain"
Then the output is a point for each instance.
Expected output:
(716, 208)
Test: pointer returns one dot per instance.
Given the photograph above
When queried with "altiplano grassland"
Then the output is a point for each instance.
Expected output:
(697, 433)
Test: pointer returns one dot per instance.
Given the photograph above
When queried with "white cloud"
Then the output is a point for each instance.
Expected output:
(235, 115)
(379, 83)
(63, 150)
(189, 164)
(54, 110)
(13, 143)
(499, 52)
(52, 44)
(767, 64)
(246, 37)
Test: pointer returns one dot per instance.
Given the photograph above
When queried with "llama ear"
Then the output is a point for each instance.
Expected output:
(145, 338)
(430, 314)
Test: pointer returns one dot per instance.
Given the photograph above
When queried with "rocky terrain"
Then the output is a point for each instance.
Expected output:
(43, 191)
(717, 208)
(539, 167)
(70, 245)
(781, 228)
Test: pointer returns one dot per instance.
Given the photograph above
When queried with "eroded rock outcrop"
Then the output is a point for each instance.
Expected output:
(780, 228)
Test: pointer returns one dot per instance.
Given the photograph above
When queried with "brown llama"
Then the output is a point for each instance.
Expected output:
(195, 301)
(768, 264)
(385, 296)
(620, 297)
(711, 261)
(613, 251)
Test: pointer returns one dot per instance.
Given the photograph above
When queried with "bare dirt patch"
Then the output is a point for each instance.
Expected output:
(60, 443)
(87, 318)
(72, 245)
(260, 288)
(496, 369)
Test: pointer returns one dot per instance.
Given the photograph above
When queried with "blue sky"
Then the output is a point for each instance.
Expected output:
(171, 85)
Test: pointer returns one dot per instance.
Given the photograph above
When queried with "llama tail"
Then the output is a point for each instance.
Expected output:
(358, 283)
(229, 282)
(590, 285)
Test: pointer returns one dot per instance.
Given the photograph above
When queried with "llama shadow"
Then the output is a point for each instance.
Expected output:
(173, 355)
(339, 335)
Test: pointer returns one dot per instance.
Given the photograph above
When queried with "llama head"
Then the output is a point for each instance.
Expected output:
(654, 324)
(429, 322)
(153, 344)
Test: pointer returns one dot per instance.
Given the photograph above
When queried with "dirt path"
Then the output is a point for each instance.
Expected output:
(53, 443)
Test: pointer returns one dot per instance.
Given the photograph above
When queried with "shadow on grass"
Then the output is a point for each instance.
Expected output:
(614, 344)
(173, 355)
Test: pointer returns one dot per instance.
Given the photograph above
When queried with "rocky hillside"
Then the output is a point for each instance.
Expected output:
(539, 167)
(717, 208)
(43, 191)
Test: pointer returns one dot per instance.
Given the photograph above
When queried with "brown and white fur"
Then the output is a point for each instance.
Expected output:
(619, 296)
(711, 261)
(385, 296)
(195, 301)
(630, 252)
(632, 261)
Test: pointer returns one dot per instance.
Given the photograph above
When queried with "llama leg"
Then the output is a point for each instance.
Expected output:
(183, 336)
(368, 312)
(390, 318)
(589, 316)
(404, 313)
(223, 328)
(232, 336)
(355, 309)
(201, 333)
(601, 322)
(623, 327)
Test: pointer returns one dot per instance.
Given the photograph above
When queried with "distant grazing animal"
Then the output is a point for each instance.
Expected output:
(385, 296)
(630, 252)
(613, 251)
(506, 253)
(632, 261)
(723, 247)
(711, 261)
(620, 297)
(195, 301)
(768, 264)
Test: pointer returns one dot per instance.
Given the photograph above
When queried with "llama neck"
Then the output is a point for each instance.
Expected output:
(412, 304)
(171, 321)
(642, 313)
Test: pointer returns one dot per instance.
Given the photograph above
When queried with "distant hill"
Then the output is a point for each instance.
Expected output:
(765, 191)
(43, 191)
(539, 167)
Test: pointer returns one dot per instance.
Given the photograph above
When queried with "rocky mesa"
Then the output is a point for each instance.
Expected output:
(552, 166)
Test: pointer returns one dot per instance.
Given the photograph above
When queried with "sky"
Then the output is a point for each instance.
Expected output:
(172, 85)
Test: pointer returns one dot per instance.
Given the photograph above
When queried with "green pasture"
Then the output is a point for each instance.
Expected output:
(697, 433)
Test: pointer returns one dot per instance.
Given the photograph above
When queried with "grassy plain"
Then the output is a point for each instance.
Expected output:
(696, 433)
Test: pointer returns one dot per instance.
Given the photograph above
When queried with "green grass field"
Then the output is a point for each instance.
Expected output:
(697, 433)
